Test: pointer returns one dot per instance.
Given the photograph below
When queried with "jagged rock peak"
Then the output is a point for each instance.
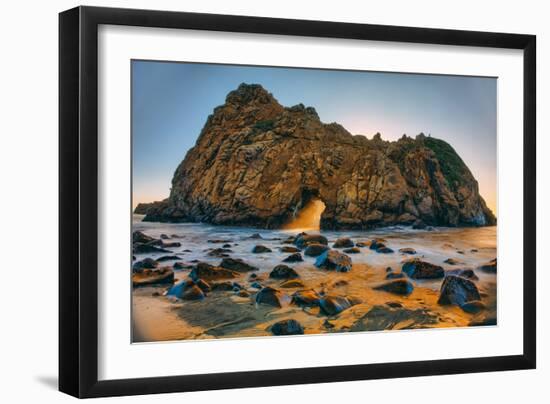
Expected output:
(250, 94)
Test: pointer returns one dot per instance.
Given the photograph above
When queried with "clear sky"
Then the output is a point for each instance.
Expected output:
(171, 101)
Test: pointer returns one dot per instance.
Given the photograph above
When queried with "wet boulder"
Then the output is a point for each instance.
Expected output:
(140, 237)
(220, 252)
(237, 264)
(343, 242)
(418, 269)
(153, 276)
(164, 236)
(193, 293)
(362, 244)
(377, 243)
(334, 261)
(303, 240)
(147, 263)
(168, 258)
(259, 249)
(315, 249)
(210, 272)
(452, 261)
(222, 286)
(333, 305)
(397, 286)
(180, 265)
(270, 297)
(457, 290)
(283, 272)
(473, 307)
(407, 250)
(296, 257)
(287, 327)
(292, 283)
(467, 273)
(289, 249)
(141, 248)
(173, 244)
(307, 298)
(490, 266)
(352, 250)
(395, 317)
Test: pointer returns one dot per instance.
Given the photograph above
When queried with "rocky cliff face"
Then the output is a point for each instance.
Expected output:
(257, 163)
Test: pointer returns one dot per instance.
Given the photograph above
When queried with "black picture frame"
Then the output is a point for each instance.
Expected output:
(78, 200)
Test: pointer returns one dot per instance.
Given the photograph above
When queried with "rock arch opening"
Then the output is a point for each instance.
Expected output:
(308, 216)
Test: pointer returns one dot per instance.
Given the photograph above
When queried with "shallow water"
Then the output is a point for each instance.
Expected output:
(224, 314)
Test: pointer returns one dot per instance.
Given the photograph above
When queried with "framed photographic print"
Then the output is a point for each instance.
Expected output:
(251, 201)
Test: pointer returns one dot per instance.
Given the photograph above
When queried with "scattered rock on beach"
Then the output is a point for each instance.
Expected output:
(418, 269)
(210, 272)
(140, 248)
(452, 261)
(377, 243)
(193, 293)
(147, 263)
(153, 276)
(289, 249)
(296, 257)
(467, 273)
(164, 236)
(256, 236)
(384, 250)
(334, 261)
(237, 264)
(397, 286)
(352, 250)
(258, 249)
(287, 327)
(221, 286)
(315, 249)
(392, 317)
(308, 298)
(362, 244)
(332, 305)
(457, 290)
(419, 225)
(292, 283)
(304, 240)
(407, 250)
(490, 266)
(140, 237)
(283, 272)
(269, 296)
(220, 252)
(343, 242)
(473, 307)
(168, 258)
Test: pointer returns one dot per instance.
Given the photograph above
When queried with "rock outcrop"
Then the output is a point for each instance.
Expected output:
(257, 163)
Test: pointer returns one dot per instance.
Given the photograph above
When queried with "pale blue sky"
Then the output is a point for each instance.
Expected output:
(171, 101)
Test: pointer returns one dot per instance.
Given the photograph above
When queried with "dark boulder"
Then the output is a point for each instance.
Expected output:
(237, 264)
(153, 276)
(332, 305)
(473, 307)
(457, 290)
(308, 298)
(283, 272)
(407, 250)
(258, 249)
(418, 269)
(303, 240)
(222, 286)
(467, 273)
(490, 266)
(419, 225)
(296, 257)
(168, 258)
(287, 327)
(140, 237)
(147, 263)
(362, 244)
(164, 237)
(384, 250)
(220, 252)
(352, 250)
(343, 242)
(289, 249)
(269, 296)
(452, 261)
(209, 272)
(315, 249)
(140, 248)
(377, 243)
(334, 261)
(397, 286)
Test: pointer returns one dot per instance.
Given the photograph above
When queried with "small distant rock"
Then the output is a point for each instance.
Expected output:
(258, 249)
(289, 249)
(256, 285)
(287, 327)
(269, 296)
(292, 283)
(296, 257)
(237, 264)
(352, 250)
(222, 286)
(343, 242)
(164, 237)
(315, 249)
(220, 252)
(168, 258)
(377, 243)
(332, 305)
(308, 298)
(173, 244)
(140, 237)
(362, 244)
(209, 272)
(139, 248)
(147, 263)
(283, 272)
(397, 286)
(457, 290)
(340, 283)
(474, 250)
(384, 250)
(219, 241)
(418, 269)
(289, 240)
(243, 293)
(490, 266)
(304, 240)
(452, 261)
(256, 236)
(407, 250)
(334, 261)
(394, 304)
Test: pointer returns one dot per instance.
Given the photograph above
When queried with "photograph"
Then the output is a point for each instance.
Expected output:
(272, 201)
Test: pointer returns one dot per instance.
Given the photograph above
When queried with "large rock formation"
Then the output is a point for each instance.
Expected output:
(257, 163)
